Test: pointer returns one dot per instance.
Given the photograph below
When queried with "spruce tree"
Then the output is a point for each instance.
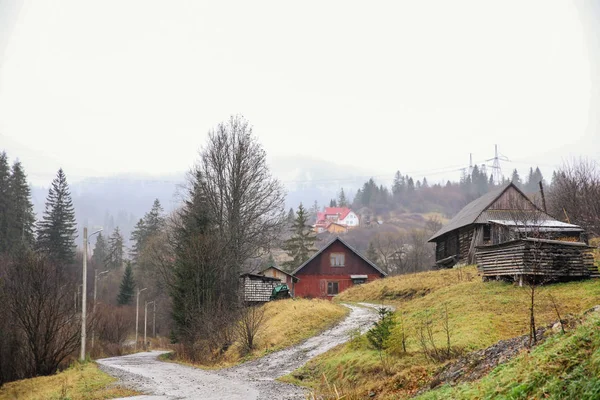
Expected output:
(115, 257)
(342, 201)
(291, 216)
(22, 218)
(4, 202)
(100, 251)
(126, 290)
(151, 225)
(57, 229)
(301, 245)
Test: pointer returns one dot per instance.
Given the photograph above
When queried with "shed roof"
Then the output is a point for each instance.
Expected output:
(345, 244)
(472, 212)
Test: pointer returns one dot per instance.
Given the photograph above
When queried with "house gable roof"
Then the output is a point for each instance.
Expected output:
(337, 238)
(472, 211)
(274, 267)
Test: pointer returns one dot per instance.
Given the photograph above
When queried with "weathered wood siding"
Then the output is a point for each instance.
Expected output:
(447, 246)
(536, 257)
(257, 290)
(511, 199)
(465, 237)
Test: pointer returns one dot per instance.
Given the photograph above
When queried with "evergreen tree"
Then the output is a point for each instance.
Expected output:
(127, 288)
(138, 237)
(301, 245)
(291, 216)
(332, 203)
(516, 179)
(57, 229)
(115, 257)
(149, 226)
(5, 211)
(398, 185)
(425, 184)
(342, 201)
(22, 218)
(100, 251)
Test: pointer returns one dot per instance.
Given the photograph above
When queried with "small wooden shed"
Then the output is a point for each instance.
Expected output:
(283, 276)
(257, 288)
(529, 257)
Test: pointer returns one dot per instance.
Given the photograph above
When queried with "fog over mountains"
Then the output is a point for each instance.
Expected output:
(108, 202)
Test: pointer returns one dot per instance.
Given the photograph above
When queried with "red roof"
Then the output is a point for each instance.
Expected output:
(341, 212)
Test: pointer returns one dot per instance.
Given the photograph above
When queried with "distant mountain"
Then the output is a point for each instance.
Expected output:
(122, 200)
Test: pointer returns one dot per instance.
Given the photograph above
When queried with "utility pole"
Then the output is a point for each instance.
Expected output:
(154, 321)
(84, 292)
(83, 296)
(96, 275)
(137, 314)
(146, 319)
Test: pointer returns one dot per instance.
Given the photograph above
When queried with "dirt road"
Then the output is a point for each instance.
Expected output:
(248, 381)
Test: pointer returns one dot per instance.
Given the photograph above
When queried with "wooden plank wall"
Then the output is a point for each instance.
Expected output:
(255, 290)
(534, 258)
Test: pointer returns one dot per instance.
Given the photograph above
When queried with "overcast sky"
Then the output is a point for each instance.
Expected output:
(110, 87)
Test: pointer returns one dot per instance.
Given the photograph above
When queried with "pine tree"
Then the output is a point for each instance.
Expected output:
(332, 203)
(57, 229)
(100, 251)
(22, 218)
(126, 290)
(151, 225)
(342, 201)
(5, 211)
(115, 257)
(301, 245)
(516, 179)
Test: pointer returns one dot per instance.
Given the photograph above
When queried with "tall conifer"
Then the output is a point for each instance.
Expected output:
(22, 218)
(301, 245)
(57, 230)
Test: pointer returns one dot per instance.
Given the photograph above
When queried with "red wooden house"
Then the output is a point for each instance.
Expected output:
(334, 269)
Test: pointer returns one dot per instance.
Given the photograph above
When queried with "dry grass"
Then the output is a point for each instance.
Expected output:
(79, 382)
(286, 323)
(479, 313)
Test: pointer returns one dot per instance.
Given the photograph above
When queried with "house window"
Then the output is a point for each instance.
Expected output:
(332, 288)
(337, 259)
(486, 233)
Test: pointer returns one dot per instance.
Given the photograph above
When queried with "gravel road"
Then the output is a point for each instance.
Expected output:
(251, 380)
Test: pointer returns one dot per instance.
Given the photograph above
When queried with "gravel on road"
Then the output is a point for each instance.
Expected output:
(249, 381)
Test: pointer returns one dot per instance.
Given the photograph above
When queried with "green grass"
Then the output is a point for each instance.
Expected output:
(78, 382)
(564, 367)
(480, 314)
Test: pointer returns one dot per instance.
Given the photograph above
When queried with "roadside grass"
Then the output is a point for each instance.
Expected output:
(563, 367)
(479, 315)
(286, 323)
(78, 382)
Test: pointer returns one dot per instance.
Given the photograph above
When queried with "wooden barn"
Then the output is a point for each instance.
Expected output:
(499, 216)
(334, 269)
(257, 288)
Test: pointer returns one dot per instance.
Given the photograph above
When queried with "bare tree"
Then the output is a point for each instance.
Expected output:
(244, 200)
(39, 297)
(391, 251)
(575, 192)
(250, 323)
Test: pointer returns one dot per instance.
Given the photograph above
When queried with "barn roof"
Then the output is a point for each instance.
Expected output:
(278, 269)
(345, 244)
(474, 211)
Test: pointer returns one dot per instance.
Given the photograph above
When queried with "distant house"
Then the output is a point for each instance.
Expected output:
(284, 277)
(504, 230)
(334, 269)
(257, 288)
(343, 217)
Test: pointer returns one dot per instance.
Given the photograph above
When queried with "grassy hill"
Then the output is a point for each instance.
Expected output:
(79, 382)
(479, 315)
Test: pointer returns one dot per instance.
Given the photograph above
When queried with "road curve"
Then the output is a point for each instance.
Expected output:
(249, 381)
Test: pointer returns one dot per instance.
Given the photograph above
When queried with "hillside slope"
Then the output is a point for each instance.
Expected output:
(479, 315)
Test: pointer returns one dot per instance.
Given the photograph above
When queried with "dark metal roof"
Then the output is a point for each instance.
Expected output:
(469, 214)
(259, 277)
(345, 244)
